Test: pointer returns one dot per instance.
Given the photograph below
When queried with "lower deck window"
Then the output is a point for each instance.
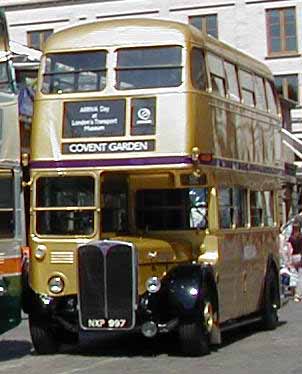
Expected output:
(65, 205)
(172, 209)
(7, 206)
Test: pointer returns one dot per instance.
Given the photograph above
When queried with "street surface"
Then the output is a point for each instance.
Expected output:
(248, 350)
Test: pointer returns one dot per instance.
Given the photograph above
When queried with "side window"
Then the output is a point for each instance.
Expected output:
(232, 81)
(260, 93)
(271, 99)
(198, 208)
(225, 208)
(268, 208)
(215, 64)
(247, 88)
(7, 206)
(256, 206)
(232, 207)
(198, 69)
(240, 206)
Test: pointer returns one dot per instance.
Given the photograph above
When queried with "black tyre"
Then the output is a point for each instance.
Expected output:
(270, 301)
(194, 336)
(42, 336)
(66, 337)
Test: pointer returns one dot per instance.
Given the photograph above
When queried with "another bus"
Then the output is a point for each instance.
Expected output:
(12, 235)
(155, 169)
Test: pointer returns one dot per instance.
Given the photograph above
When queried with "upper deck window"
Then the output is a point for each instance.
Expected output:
(149, 67)
(217, 74)
(260, 93)
(247, 87)
(74, 72)
(271, 98)
(232, 81)
(198, 69)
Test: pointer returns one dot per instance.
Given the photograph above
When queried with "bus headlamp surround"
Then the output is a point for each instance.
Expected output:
(40, 251)
(56, 285)
(153, 284)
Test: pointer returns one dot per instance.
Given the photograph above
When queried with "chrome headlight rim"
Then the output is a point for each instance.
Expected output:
(40, 252)
(153, 284)
(56, 284)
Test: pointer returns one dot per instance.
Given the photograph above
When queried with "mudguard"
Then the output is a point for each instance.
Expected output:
(184, 289)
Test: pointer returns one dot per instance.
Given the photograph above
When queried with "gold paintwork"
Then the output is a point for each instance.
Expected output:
(187, 120)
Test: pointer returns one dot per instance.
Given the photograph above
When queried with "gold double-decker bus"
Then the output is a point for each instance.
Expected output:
(155, 167)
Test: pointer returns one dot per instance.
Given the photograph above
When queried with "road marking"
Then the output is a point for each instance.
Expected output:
(97, 364)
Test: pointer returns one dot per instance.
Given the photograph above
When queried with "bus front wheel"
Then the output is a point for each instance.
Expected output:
(270, 301)
(195, 336)
(42, 336)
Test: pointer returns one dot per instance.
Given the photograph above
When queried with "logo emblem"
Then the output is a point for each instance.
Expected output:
(144, 114)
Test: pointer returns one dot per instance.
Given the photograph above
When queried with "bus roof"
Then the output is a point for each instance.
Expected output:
(145, 31)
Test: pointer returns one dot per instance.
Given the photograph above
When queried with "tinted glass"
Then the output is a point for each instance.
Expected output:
(198, 69)
(148, 67)
(74, 72)
(61, 192)
(173, 209)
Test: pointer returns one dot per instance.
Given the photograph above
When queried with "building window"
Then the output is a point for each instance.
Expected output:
(281, 30)
(36, 39)
(287, 86)
(206, 23)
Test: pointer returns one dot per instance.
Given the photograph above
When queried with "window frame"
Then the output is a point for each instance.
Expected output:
(232, 95)
(285, 85)
(37, 209)
(245, 89)
(204, 23)
(194, 81)
(213, 75)
(282, 24)
(4, 173)
(42, 37)
(75, 74)
(183, 208)
(120, 68)
(232, 207)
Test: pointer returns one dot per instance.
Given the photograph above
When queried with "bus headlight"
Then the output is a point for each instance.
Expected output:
(153, 284)
(56, 285)
(40, 251)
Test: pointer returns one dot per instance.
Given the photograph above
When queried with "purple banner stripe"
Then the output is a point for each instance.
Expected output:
(114, 162)
(155, 161)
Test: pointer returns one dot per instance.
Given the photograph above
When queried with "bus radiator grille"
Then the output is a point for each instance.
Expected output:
(107, 285)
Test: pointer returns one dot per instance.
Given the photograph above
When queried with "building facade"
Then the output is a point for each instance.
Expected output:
(270, 30)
